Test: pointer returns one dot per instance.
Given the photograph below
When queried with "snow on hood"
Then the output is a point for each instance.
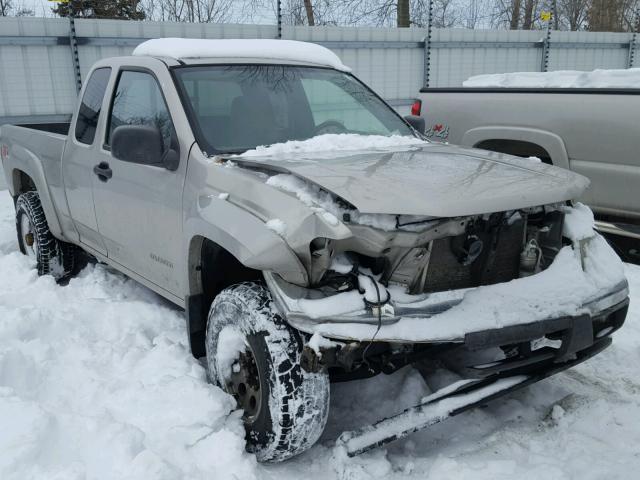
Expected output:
(268, 49)
(325, 205)
(628, 78)
(336, 142)
(406, 176)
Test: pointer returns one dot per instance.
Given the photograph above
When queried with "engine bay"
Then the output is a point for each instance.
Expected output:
(446, 255)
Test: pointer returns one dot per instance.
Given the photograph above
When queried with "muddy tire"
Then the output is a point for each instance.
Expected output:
(285, 408)
(51, 256)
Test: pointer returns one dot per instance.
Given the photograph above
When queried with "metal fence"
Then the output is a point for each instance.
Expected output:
(42, 58)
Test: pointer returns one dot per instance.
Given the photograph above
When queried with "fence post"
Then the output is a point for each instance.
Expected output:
(427, 49)
(546, 46)
(279, 15)
(632, 42)
(73, 43)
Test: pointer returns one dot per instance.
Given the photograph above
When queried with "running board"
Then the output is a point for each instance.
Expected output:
(449, 402)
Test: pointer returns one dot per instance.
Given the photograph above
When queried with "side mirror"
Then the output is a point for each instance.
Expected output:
(416, 122)
(171, 160)
(138, 144)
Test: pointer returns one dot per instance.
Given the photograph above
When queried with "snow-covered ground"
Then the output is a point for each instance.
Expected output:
(96, 382)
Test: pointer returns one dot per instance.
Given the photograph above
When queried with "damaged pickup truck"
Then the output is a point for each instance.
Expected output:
(313, 236)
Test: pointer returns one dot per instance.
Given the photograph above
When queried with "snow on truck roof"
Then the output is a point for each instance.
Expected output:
(267, 49)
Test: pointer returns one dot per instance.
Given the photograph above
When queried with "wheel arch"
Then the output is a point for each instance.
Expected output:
(29, 176)
(21, 183)
(526, 141)
(211, 269)
(217, 227)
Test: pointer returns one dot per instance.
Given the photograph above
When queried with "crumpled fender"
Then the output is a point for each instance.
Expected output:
(244, 236)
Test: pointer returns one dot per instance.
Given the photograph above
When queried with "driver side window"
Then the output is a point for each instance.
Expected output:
(138, 100)
(331, 102)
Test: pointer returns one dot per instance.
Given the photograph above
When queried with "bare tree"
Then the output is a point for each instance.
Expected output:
(309, 8)
(202, 11)
(370, 12)
(472, 18)
(515, 15)
(631, 16)
(6, 6)
(402, 13)
(529, 10)
(572, 14)
(606, 15)
(305, 12)
(505, 14)
(445, 13)
(616, 15)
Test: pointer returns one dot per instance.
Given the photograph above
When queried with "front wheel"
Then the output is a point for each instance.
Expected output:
(50, 255)
(254, 355)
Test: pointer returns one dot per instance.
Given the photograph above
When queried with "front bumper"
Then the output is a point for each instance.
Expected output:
(456, 399)
(559, 340)
(358, 325)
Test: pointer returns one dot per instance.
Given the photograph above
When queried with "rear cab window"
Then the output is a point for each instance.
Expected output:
(89, 111)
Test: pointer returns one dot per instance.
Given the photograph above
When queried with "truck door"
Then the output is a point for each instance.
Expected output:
(139, 206)
(78, 161)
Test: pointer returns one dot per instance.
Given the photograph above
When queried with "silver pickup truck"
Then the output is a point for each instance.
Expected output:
(591, 131)
(313, 236)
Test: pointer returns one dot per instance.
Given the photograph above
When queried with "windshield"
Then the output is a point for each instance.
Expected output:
(234, 108)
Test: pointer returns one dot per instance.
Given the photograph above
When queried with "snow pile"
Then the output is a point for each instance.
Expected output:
(96, 381)
(269, 49)
(337, 142)
(578, 222)
(628, 78)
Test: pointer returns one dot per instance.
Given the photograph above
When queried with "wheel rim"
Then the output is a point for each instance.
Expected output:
(244, 385)
(28, 237)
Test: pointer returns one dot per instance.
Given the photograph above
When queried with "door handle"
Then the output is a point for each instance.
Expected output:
(103, 171)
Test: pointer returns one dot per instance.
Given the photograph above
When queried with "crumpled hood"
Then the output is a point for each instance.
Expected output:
(432, 180)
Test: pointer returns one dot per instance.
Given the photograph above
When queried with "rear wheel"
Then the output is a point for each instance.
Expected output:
(254, 355)
(50, 255)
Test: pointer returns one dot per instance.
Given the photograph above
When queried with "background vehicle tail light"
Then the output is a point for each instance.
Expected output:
(416, 108)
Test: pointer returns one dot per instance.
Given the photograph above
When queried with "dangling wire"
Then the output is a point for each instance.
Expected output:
(366, 349)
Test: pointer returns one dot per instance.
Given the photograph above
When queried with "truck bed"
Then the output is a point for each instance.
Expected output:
(37, 151)
(60, 128)
(56, 128)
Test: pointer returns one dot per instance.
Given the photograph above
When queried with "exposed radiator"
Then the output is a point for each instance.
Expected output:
(494, 265)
